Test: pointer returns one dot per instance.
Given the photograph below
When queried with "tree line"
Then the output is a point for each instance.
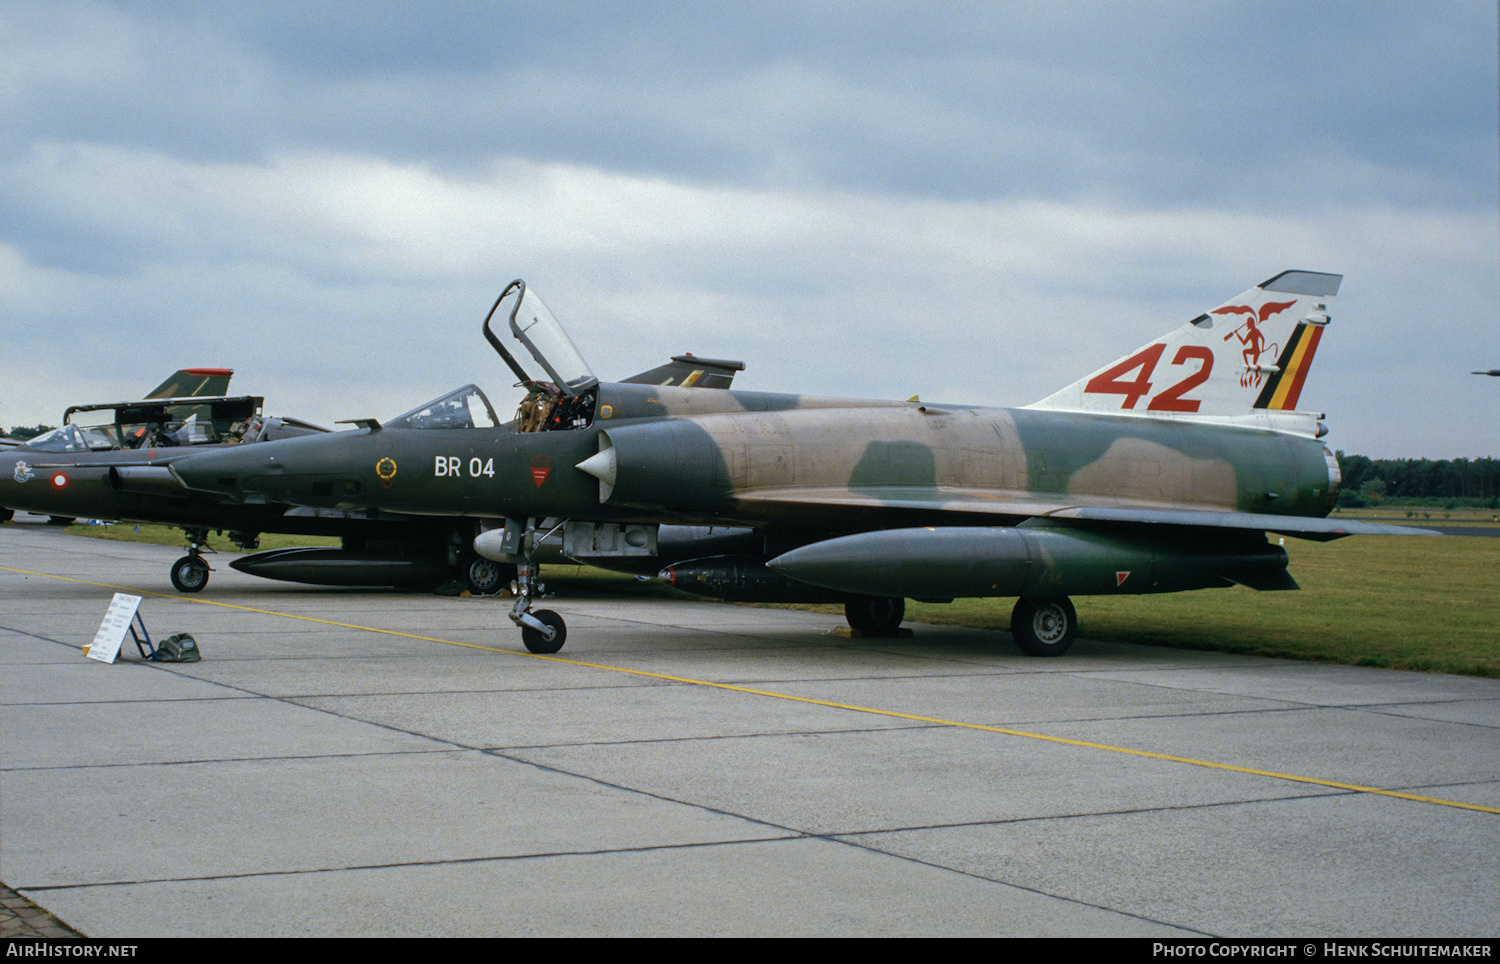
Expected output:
(1367, 481)
(24, 432)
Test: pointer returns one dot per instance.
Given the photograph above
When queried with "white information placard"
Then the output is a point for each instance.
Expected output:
(111, 634)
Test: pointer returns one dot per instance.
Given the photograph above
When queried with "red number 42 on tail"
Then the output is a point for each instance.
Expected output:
(1112, 380)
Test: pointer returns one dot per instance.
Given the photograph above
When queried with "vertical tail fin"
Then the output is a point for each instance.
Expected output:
(1249, 355)
(194, 383)
(689, 371)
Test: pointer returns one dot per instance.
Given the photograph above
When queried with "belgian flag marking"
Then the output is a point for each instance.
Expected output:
(1285, 385)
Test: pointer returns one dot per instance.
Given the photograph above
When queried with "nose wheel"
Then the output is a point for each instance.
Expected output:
(537, 640)
(190, 573)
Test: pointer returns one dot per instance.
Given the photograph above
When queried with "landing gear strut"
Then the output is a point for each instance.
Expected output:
(875, 615)
(542, 631)
(190, 573)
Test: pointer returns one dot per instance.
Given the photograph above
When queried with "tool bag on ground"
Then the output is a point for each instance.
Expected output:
(181, 648)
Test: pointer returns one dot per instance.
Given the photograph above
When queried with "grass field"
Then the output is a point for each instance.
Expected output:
(1411, 603)
(1404, 603)
(1423, 515)
(168, 536)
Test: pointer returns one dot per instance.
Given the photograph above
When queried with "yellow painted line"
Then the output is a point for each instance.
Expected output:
(852, 707)
(1029, 735)
(264, 612)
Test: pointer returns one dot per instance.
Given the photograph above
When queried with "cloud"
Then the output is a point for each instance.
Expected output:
(1175, 103)
(370, 277)
(974, 202)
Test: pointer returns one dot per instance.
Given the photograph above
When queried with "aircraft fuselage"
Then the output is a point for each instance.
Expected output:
(789, 461)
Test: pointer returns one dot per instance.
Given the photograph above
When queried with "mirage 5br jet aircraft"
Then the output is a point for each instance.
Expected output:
(1160, 472)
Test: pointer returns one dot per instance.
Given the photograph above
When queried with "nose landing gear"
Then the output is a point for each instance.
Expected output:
(190, 573)
(542, 631)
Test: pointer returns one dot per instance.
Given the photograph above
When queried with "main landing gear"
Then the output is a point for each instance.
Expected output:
(1044, 625)
(875, 615)
(485, 577)
(190, 573)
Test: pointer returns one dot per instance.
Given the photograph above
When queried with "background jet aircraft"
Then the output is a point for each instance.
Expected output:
(1160, 472)
(183, 383)
(109, 461)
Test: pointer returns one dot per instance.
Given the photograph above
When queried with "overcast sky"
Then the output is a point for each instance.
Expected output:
(977, 202)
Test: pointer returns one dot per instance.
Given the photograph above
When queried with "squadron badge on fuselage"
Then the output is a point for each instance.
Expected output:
(386, 469)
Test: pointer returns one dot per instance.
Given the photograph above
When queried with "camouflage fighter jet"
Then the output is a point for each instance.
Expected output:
(1160, 472)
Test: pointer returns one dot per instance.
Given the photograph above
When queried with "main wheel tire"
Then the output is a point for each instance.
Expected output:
(7, 514)
(487, 577)
(875, 615)
(1044, 626)
(190, 574)
(536, 642)
(60, 520)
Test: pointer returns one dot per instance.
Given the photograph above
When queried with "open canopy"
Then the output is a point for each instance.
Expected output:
(151, 423)
(534, 326)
